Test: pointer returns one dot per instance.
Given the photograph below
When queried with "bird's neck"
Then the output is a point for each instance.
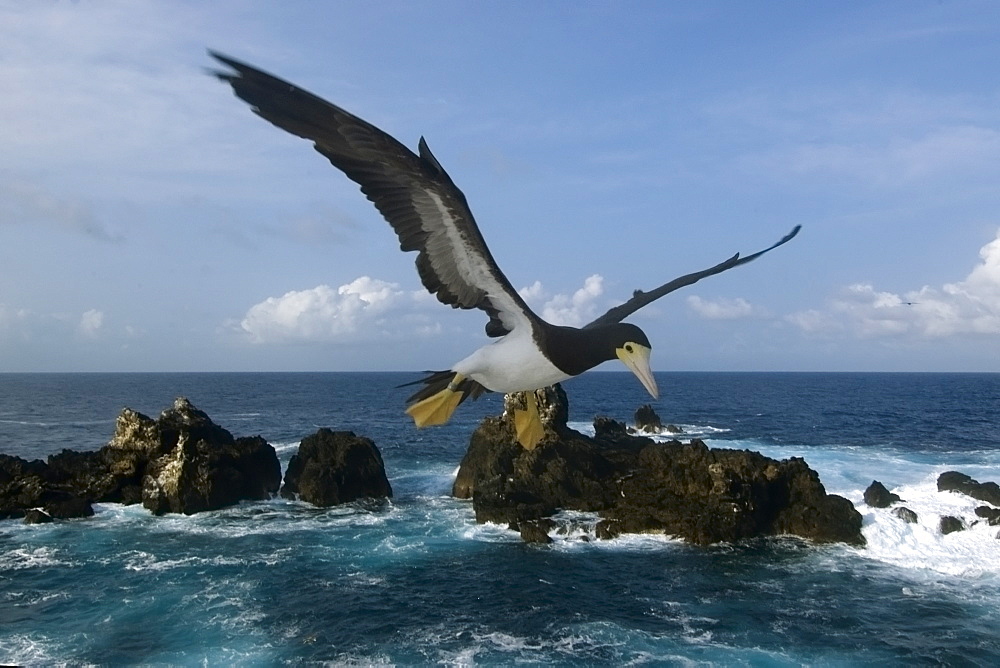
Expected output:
(574, 350)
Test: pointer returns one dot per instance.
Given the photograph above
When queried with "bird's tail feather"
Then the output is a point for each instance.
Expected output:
(441, 394)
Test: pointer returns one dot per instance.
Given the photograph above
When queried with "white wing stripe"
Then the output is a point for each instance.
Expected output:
(470, 265)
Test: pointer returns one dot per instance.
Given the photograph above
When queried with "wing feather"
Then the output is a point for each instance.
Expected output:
(413, 193)
(640, 298)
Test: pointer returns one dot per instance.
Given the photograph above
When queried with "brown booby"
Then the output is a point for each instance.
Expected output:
(430, 215)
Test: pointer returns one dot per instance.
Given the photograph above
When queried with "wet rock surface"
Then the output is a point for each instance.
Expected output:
(950, 524)
(877, 496)
(689, 490)
(334, 467)
(953, 481)
(646, 420)
(182, 462)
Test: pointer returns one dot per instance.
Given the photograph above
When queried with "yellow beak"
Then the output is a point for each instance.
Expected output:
(636, 358)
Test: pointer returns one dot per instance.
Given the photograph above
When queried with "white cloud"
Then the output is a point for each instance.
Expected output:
(90, 323)
(533, 293)
(721, 309)
(365, 307)
(574, 310)
(970, 306)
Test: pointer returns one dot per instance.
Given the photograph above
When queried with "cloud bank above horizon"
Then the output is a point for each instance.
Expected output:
(370, 307)
(967, 306)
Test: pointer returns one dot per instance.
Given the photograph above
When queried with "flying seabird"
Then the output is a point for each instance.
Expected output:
(430, 215)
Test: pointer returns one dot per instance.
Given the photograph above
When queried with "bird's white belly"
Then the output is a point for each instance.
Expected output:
(511, 364)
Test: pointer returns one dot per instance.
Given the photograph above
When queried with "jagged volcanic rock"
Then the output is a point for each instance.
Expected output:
(646, 420)
(36, 516)
(689, 490)
(953, 481)
(950, 524)
(200, 475)
(333, 467)
(990, 514)
(877, 496)
(204, 467)
(182, 462)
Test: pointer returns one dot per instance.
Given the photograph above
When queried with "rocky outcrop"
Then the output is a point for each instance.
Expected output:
(605, 427)
(688, 490)
(536, 531)
(991, 515)
(27, 485)
(200, 475)
(950, 524)
(953, 481)
(204, 467)
(182, 462)
(877, 496)
(646, 420)
(334, 467)
(37, 516)
(708, 496)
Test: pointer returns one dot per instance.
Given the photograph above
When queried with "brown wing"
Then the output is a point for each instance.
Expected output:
(412, 192)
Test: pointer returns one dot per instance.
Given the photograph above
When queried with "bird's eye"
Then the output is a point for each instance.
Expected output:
(628, 348)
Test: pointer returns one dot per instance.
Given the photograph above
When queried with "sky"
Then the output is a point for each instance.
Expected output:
(150, 222)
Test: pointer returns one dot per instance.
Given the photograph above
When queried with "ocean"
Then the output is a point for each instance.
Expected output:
(415, 581)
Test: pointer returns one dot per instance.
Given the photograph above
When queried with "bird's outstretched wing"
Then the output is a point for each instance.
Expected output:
(413, 193)
(640, 298)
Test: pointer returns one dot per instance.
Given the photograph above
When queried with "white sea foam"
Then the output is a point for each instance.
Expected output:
(475, 642)
(22, 558)
(363, 579)
(140, 561)
(688, 431)
(272, 517)
(287, 449)
(574, 531)
(973, 552)
(489, 532)
(27, 650)
(847, 471)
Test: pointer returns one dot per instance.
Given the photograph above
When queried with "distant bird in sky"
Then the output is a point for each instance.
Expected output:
(431, 216)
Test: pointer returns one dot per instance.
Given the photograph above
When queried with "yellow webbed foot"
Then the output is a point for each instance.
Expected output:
(527, 424)
(437, 408)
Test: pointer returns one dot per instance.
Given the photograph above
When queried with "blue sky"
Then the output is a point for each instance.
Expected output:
(150, 222)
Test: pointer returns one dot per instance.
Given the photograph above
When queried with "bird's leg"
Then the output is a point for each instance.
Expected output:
(527, 424)
(437, 408)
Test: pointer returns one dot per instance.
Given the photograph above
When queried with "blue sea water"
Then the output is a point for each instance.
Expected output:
(416, 581)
